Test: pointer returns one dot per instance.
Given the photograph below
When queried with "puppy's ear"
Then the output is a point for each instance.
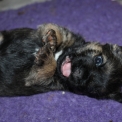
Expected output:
(116, 49)
(1, 38)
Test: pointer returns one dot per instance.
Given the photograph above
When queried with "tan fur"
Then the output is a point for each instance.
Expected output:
(1, 38)
(42, 75)
(42, 29)
(64, 37)
(92, 46)
(38, 74)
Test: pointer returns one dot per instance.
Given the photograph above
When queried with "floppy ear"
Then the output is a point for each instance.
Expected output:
(116, 49)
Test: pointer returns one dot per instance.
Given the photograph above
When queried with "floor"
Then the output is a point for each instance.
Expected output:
(14, 4)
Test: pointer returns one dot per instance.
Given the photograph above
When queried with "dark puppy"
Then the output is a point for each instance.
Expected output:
(27, 63)
(93, 69)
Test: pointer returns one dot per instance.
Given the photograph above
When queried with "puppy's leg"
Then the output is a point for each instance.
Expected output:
(65, 38)
(50, 41)
(42, 55)
(50, 37)
(45, 65)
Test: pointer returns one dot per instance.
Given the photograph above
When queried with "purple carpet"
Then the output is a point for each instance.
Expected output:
(98, 20)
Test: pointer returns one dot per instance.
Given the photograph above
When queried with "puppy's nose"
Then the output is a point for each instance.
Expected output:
(80, 73)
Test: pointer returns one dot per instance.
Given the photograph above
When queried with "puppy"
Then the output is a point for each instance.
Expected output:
(27, 63)
(54, 58)
(93, 69)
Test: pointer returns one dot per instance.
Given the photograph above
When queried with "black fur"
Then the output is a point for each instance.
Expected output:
(87, 78)
(96, 70)
(21, 65)
(17, 56)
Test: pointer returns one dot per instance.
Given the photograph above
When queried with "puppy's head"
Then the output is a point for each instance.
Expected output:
(92, 69)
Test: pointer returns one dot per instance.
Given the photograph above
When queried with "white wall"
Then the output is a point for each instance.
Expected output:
(14, 4)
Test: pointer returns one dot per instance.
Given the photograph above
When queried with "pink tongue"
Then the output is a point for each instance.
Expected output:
(66, 69)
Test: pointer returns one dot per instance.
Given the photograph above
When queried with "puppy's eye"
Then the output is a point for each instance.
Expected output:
(98, 60)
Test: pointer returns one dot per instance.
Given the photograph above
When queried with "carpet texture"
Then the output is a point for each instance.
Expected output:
(96, 20)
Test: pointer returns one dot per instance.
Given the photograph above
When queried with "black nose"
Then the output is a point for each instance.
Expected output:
(81, 73)
(78, 73)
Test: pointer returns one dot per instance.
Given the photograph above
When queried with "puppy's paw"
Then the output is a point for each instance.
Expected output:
(42, 55)
(51, 39)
